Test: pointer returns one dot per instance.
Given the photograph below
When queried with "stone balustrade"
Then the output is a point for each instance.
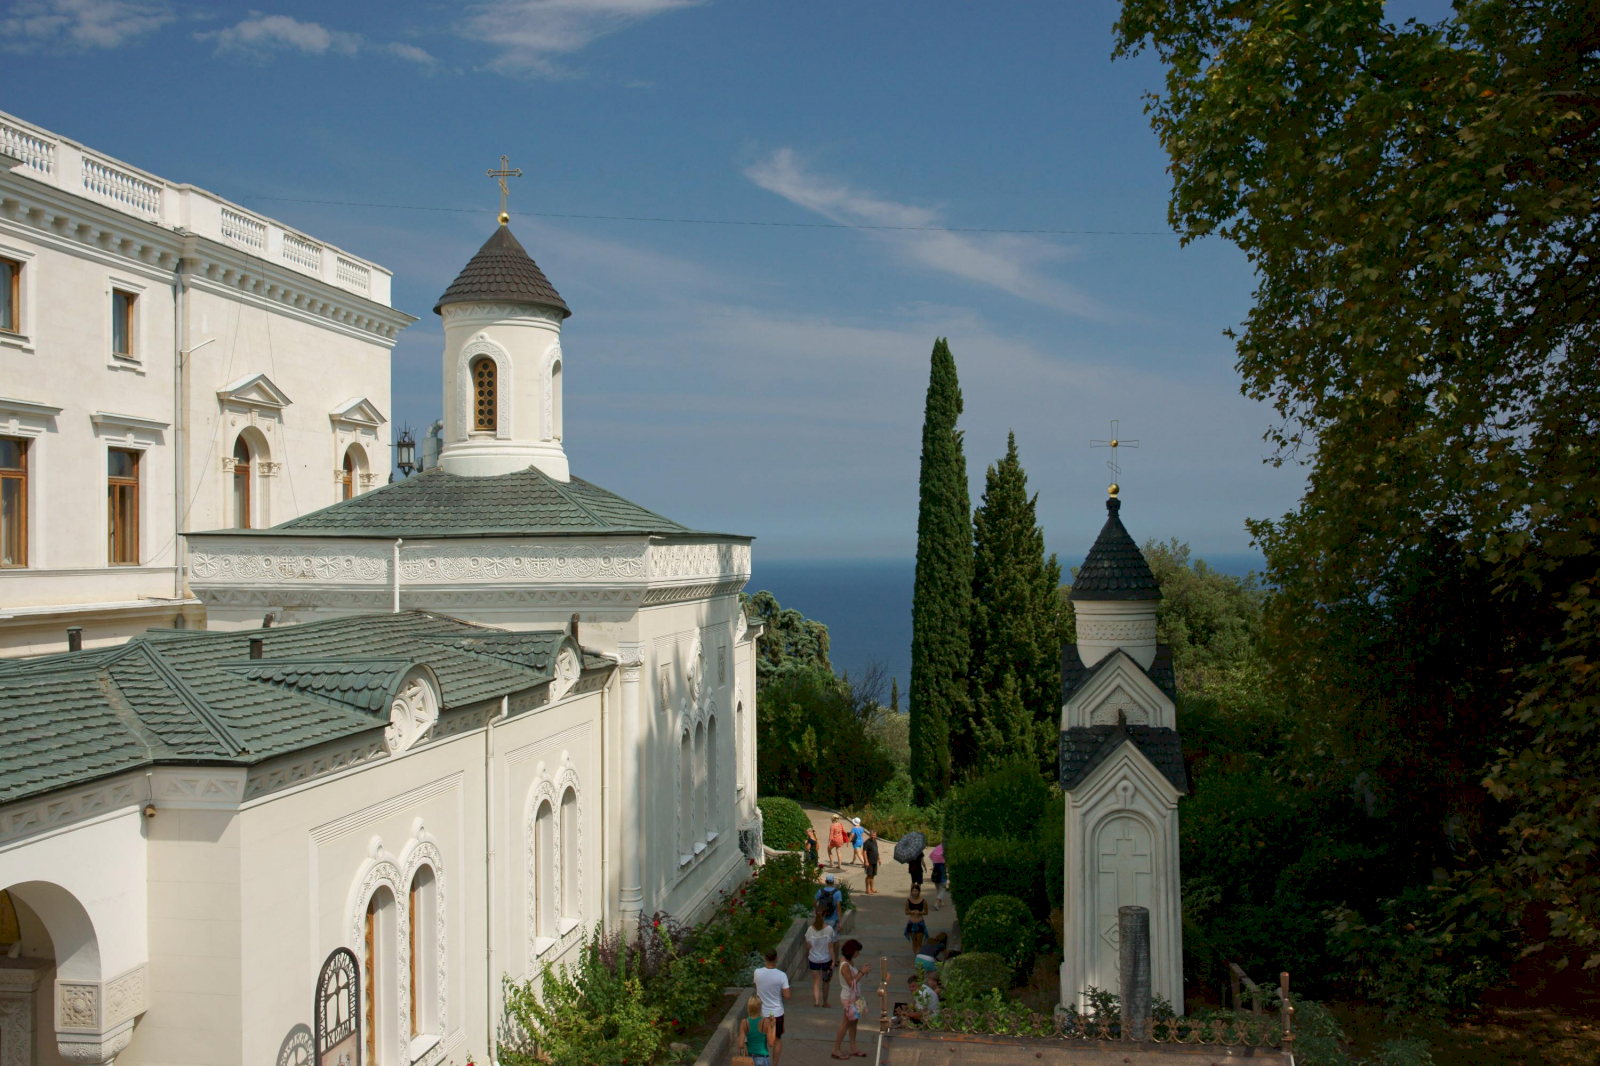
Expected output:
(57, 161)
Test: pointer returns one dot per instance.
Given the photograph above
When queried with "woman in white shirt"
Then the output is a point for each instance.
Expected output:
(822, 953)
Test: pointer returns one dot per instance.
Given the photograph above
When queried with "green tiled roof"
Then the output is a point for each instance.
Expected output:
(437, 504)
(188, 696)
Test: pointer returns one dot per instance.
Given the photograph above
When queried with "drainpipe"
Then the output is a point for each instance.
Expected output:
(179, 328)
(488, 876)
(397, 542)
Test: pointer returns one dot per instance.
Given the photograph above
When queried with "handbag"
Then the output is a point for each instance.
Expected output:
(741, 1059)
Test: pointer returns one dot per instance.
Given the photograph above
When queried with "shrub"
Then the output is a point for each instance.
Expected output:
(985, 866)
(587, 1012)
(1005, 926)
(972, 973)
(784, 823)
(892, 815)
(1006, 802)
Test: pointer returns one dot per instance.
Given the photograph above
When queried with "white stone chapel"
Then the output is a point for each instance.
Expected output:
(434, 734)
(1121, 770)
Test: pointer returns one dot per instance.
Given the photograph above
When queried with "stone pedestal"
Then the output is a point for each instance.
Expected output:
(19, 985)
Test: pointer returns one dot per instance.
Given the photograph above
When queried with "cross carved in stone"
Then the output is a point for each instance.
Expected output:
(1126, 863)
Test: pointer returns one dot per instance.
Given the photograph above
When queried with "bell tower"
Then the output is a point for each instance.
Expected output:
(502, 364)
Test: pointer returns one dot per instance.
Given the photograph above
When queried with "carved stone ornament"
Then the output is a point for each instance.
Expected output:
(339, 564)
(567, 670)
(412, 713)
(477, 347)
(94, 1049)
(697, 671)
(1105, 712)
(492, 312)
(77, 1005)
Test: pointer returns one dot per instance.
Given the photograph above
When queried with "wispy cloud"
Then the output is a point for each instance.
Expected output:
(532, 34)
(260, 36)
(81, 24)
(1009, 262)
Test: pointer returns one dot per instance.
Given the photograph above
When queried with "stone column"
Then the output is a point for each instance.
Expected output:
(1133, 944)
(631, 793)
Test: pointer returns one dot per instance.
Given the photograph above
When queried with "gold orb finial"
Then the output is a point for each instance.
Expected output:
(1115, 443)
(504, 217)
(1112, 490)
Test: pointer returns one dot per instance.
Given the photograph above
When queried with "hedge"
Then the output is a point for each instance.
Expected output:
(985, 866)
(1003, 926)
(784, 823)
(974, 973)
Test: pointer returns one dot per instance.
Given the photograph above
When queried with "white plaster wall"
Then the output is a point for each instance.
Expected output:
(318, 368)
(63, 359)
(522, 341)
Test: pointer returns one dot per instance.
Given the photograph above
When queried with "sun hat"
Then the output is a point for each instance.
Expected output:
(855, 821)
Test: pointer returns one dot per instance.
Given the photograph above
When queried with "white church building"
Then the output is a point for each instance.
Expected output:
(434, 733)
(1121, 770)
(169, 361)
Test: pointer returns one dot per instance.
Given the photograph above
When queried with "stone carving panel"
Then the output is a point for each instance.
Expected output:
(674, 562)
(313, 564)
(77, 1005)
(1117, 630)
(492, 312)
(1106, 711)
(537, 562)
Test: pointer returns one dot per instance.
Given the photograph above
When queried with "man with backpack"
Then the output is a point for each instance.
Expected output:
(830, 901)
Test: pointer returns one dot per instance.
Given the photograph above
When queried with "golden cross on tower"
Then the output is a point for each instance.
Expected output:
(505, 171)
(1114, 443)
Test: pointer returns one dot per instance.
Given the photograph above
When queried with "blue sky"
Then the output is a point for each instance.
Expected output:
(760, 379)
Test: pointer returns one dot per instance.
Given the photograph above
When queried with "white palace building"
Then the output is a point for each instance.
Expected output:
(169, 361)
(434, 733)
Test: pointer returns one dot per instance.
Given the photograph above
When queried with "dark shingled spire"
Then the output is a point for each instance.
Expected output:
(502, 272)
(1115, 568)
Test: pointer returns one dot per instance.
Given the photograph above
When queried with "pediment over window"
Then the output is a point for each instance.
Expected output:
(257, 390)
(359, 412)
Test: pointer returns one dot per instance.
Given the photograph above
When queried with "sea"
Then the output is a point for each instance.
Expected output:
(866, 604)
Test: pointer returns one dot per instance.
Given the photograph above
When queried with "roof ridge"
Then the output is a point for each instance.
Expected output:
(561, 488)
(188, 696)
(637, 506)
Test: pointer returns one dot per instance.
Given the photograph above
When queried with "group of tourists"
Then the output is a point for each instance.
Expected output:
(763, 1030)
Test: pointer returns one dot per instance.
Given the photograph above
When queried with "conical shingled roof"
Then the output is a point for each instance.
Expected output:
(502, 272)
(1115, 568)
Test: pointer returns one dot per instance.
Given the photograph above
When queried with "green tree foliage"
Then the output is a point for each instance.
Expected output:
(783, 823)
(941, 605)
(587, 1013)
(973, 973)
(1004, 834)
(814, 740)
(789, 637)
(1008, 802)
(1016, 626)
(1419, 203)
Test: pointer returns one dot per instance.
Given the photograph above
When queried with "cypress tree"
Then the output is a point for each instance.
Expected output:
(941, 603)
(1016, 620)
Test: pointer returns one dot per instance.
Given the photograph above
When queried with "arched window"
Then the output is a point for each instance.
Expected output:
(555, 399)
(739, 770)
(378, 990)
(700, 782)
(240, 519)
(569, 853)
(347, 479)
(424, 917)
(686, 796)
(485, 418)
(713, 795)
(544, 861)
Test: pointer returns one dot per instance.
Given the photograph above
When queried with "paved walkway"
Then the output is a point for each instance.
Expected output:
(880, 926)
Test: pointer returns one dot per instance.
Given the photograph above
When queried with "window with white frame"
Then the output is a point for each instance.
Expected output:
(379, 990)
(423, 912)
(686, 796)
(124, 320)
(13, 502)
(569, 854)
(699, 782)
(713, 778)
(544, 873)
(10, 295)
